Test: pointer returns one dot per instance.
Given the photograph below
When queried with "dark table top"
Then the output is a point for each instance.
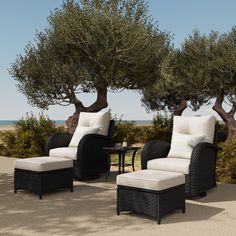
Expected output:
(121, 148)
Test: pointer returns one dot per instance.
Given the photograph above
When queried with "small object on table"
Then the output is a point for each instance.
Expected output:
(121, 151)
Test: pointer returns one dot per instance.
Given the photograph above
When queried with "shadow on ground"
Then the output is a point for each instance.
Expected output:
(91, 208)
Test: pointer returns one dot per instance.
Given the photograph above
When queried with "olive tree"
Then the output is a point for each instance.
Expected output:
(210, 67)
(91, 46)
(173, 93)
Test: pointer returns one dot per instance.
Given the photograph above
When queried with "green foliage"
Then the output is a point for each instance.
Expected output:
(127, 130)
(29, 137)
(160, 130)
(89, 46)
(124, 131)
(161, 120)
(221, 132)
(226, 163)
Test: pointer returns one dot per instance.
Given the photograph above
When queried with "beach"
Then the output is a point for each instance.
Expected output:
(7, 127)
(12, 127)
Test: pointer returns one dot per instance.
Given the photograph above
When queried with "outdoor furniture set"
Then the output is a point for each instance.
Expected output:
(170, 172)
(81, 152)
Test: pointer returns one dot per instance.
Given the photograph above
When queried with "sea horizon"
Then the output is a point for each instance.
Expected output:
(63, 122)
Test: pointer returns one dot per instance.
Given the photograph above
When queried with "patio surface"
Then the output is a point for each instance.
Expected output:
(91, 210)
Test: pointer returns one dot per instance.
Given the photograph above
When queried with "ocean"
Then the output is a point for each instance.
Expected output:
(62, 122)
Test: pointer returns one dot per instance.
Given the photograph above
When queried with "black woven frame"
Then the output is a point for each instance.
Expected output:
(91, 158)
(43, 182)
(202, 167)
(152, 203)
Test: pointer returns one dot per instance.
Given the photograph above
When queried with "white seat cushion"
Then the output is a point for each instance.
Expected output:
(40, 164)
(182, 145)
(169, 164)
(151, 179)
(79, 134)
(64, 152)
(100, 120)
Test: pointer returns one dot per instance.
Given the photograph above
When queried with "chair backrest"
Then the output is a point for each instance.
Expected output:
(91, 123)
(96, 119)
(199, 125)
(188, 132)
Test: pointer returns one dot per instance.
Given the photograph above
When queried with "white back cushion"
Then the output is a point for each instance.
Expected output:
(80, 132)
(100, 120)
(202, 126)
(182, 145)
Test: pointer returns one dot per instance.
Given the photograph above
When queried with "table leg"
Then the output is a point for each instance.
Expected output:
(123, 162)
(119, 154)
(133, 156)
(109, 165)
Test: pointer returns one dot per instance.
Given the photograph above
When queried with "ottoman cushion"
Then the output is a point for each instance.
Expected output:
(45, 163)
(151, 179)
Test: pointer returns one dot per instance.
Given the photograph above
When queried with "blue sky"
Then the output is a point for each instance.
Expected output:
(19, 20)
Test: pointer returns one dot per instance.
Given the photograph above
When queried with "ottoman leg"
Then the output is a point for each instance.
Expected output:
(117, 203)
(159, 221)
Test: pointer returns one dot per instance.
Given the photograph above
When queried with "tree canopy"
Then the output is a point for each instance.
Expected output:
(201, 71)
(91, 46)
(174, 90)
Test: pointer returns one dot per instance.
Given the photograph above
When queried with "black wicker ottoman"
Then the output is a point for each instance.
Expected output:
(43, 174)
(151, 192)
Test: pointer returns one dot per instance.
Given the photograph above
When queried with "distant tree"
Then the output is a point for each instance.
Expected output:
(91, 46)
(173, 93)
(210, 66)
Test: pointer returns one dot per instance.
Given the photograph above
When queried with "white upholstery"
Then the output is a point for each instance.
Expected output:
(64, 152)
(43, 163)
(98, 119)
(202, 126)
(179, 165)
(151, 179)
(182, 145)
(80, 132)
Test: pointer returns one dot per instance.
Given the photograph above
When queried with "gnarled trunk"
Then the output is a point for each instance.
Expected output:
(227, 117)
(178, 109)
(99, 104)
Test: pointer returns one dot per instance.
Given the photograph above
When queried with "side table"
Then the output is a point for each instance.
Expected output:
(121, 151)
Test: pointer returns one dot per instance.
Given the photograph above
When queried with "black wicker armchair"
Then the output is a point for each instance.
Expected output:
(200, 176)
(91, 158)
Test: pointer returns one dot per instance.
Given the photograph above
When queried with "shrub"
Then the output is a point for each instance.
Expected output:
(160, 129)
(226, 163)
(124, 130)
(29, 137)
(221, 132)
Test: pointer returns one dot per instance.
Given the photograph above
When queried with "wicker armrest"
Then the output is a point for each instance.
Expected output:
(152, 150)
(57, 140)
(203, 157)
(90, 150)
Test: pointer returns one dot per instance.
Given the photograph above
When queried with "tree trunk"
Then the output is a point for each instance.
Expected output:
(178, 109)
(99, 104)
(227, 117)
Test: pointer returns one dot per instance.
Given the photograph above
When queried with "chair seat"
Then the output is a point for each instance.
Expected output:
(169, 164)
(66, 152)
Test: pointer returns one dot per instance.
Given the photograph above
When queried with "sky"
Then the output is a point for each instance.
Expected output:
(20, 19)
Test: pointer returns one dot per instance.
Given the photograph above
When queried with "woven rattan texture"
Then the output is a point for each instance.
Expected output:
(152, 203)
(42, 182)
